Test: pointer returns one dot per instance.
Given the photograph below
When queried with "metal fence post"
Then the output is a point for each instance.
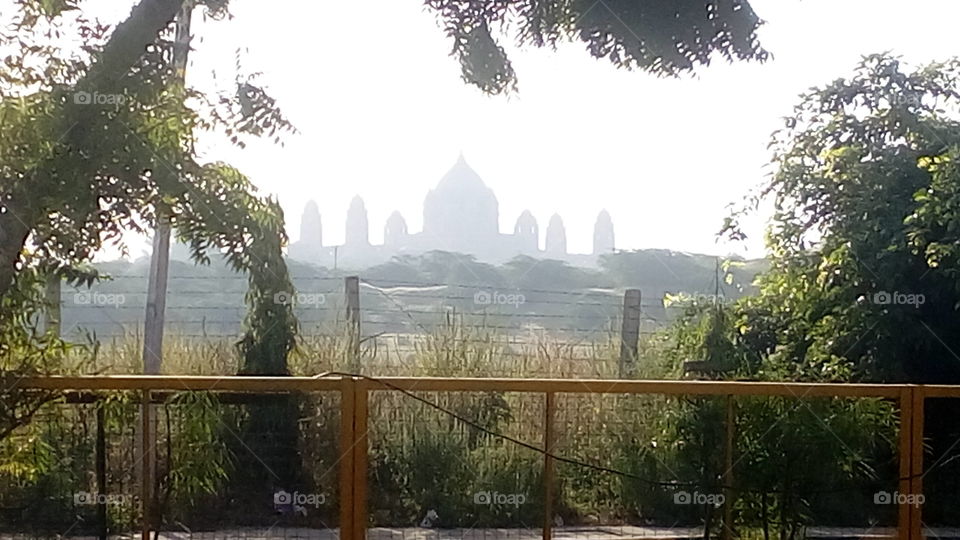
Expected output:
(101, 470)
(146, 466)
(360, 459)
(905, 455)
(916, 460)
(727, 533)
(347, 442)
(549, 436)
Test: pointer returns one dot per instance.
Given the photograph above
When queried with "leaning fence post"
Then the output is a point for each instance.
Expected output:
(549, 411)
(352, 292)
(629, 331)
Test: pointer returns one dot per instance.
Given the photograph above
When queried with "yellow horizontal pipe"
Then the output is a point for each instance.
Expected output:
(438, 384)
(180, 383)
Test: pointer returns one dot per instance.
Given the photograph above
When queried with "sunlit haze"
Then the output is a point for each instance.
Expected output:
(383, 114)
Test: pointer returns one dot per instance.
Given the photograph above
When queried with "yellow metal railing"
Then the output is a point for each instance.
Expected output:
(354, 410)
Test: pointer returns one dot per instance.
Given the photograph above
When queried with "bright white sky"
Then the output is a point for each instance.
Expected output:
(383, 114)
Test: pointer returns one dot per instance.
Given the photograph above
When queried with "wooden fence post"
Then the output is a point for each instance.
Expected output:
(156, 300)
(352, 293)
(629, 332)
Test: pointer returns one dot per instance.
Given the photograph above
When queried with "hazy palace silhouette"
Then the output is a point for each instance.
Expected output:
(460, 215)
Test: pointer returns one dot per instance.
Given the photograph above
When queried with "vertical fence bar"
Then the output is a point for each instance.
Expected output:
(360, 459)
(146, 466)
(347, 441)
(916, 460)
(905, 455)
(727, 532)
(101, 470)
(549, 436)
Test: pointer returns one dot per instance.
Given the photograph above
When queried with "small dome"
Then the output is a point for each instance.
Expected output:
(395, 231)
(556, 243)
(603, 238)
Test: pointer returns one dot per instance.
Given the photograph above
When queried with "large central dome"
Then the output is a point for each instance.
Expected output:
(461, 210)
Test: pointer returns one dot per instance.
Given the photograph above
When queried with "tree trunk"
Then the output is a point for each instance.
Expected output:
(15, 226)
(121, 52)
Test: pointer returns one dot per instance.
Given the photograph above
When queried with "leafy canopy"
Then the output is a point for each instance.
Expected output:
(864, 245)
(663, 37)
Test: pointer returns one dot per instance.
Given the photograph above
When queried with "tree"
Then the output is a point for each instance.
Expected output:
(662, 37)
(91, 152)
(863, 283)
(780, 486)
(862, 245)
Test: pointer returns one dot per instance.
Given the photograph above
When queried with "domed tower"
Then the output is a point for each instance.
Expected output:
(462, 213)
(358, 230)
(556, 242)
(311, 228)
(395, 231)
(603, 234)
(527, 233)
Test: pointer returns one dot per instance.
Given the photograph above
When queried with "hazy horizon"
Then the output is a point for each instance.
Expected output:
(386, 115)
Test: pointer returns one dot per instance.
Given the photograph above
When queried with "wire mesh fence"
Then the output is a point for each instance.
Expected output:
(219, 464)
(403, 328)
(374, 457)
